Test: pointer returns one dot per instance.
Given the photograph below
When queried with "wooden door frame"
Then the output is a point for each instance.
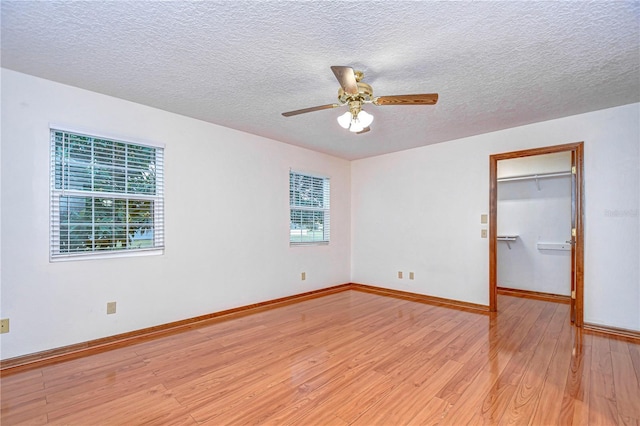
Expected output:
(578, 149)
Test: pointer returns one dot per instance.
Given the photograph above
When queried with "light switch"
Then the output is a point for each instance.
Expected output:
(484, 218)
(483, 233)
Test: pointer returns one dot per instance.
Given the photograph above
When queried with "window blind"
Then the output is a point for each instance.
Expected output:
(107, 196)
(309, 200)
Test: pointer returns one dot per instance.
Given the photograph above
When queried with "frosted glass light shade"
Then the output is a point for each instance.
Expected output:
(365, 119)
(345, 120)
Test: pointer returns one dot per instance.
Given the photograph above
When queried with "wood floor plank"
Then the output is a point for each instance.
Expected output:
(170, 343)
(505, 361)
(405, 401)
(626, 385)
(362, 393)
(527, 396)
(345, 385)
(22, 383)
(229, 407)
(32, 410)
(550, 403)
(58, 374)
(466, 407)
(628, 421)
(216, 400)
(583, 388)
(601, 364)
(574, 408)
(506, 336)
(152, 405)
(348, 358)
(602, 411)
(100, 392)
(634, 352)
(458, 384)
(602, 396)
(433, 412)
(23, 389)
(35, 421)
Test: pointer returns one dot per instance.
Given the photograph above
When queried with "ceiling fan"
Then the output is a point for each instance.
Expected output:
(354, 93)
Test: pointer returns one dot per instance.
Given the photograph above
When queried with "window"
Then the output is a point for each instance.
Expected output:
(309, 205)
(106, 196)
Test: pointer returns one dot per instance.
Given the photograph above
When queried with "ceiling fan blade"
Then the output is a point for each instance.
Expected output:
(346, 78)
(305, 110)
(423, 99)
(365, 130)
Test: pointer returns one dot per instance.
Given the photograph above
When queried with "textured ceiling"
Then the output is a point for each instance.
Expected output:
(241, 63)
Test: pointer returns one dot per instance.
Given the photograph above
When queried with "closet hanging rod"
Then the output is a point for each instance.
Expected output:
(534, 176)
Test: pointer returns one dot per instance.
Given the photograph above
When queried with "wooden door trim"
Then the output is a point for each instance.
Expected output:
(578, 149)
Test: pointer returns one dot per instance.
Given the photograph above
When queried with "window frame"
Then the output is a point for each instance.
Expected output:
(56, 194)
(324, 209)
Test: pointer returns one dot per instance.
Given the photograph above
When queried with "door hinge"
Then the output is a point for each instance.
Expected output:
(573, 232)
(573, 170)
(573, 294)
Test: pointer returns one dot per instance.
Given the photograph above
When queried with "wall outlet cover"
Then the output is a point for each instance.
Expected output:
(4, 325)
(111, 308)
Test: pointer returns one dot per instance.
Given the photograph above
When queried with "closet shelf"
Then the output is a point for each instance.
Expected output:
(566, 246)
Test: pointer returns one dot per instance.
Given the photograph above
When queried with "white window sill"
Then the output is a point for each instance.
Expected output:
(106, 255)
(311, 243)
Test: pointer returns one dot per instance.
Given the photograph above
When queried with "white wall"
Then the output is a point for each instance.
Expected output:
(535, 216)
(419, 210)
(227, 222)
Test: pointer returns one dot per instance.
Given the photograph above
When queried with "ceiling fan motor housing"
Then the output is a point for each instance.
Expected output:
(365, 94)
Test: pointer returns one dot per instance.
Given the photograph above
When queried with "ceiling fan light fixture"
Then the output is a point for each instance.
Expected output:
(355, 93)
(355, 123)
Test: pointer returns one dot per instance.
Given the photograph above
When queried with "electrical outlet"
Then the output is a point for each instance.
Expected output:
(303, 276)
(4, 325)
(111, 308)
(483, 233)
(400, 274)
(412, 276)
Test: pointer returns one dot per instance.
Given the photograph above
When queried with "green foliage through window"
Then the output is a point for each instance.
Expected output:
(309, 198)
(107, 195)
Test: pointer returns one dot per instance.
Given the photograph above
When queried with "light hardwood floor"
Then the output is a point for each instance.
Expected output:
(347, 358)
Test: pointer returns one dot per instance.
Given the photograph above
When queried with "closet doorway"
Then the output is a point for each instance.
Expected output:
(573, 154)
